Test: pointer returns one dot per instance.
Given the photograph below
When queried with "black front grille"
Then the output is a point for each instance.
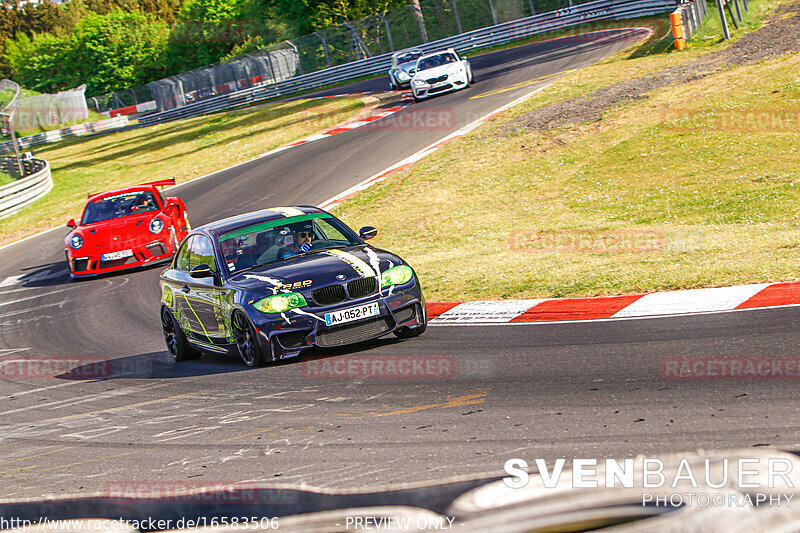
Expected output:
(293, 339)
(404, 315)
(358, 288)
(80, 264)
(332, 294)
(436, 80)
(440, 89)
(353, 333)
(157, 249)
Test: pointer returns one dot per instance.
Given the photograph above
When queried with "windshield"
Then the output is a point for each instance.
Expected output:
(408, 57)
(120, 205)
(277, 240)
(436, 61)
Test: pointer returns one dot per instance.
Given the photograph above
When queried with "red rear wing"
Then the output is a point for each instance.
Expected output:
(161, 183)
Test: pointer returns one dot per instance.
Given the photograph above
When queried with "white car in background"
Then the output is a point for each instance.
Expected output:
(440, 72)
(403, 65)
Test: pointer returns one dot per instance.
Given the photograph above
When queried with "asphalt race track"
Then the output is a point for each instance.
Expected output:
(458, 400)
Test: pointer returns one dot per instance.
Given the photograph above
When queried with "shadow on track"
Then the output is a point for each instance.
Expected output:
(158, 365)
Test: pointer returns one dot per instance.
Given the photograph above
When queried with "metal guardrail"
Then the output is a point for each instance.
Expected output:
(692, 16)
(65, 133)
(484, 37)
(25, 191)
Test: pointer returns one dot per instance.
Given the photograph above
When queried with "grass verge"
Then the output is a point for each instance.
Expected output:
(695, 186)
(182, 150)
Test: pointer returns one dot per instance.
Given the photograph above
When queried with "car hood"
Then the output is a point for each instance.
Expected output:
(408, 67)
(321, 268)
(116, 231)
(435, 72)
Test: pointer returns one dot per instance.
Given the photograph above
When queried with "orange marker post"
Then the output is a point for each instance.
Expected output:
(677, 30)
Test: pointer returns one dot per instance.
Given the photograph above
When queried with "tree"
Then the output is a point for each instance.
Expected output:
(118, 50)
(41, 62)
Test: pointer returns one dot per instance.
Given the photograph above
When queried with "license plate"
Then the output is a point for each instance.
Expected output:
(440, 84)
(112, 256)
(354, 313)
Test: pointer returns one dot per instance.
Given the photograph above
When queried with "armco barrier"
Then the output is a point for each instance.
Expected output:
(25, 191)
(484, 37)
(65, 133)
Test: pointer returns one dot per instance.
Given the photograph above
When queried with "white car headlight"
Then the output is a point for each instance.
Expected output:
(156, 225)
(418, 83)
(75, 242)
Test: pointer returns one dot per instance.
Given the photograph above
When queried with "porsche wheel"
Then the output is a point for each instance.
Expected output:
(245, 336)
(177, 345)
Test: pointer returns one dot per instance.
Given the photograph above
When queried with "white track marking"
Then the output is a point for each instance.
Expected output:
(691, 301)
(36, 296)
(11, 280)
(486, 312)
(83, 399)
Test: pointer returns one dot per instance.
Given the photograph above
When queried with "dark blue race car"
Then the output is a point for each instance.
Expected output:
(269, 284)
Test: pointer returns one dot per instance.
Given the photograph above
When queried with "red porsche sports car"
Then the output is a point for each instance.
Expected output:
(125, 228)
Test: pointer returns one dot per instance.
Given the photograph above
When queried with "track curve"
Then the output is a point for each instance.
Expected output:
(457, 400)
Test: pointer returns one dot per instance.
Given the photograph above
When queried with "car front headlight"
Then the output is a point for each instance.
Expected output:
(280, 303)
(398, 275)
(402, 75)
(75, 242)
(156, 225)
(418, 83)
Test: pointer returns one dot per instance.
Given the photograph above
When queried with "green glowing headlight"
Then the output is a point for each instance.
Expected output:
(397, 275)
(280, 303)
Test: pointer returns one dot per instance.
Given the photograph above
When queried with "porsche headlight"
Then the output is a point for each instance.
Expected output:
(398, 275)
(280, 303)
(75, 242)
(402, 75)
(156, 225)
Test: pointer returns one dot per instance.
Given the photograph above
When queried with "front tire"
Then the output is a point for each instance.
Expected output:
(175, 339)
(246, 338)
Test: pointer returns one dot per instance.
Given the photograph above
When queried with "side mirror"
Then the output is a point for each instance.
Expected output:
(71, 223)
(202, 271)
(367, 232)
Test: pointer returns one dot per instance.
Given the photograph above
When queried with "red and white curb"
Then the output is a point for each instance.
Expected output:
(617, 307)
(405, 100)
